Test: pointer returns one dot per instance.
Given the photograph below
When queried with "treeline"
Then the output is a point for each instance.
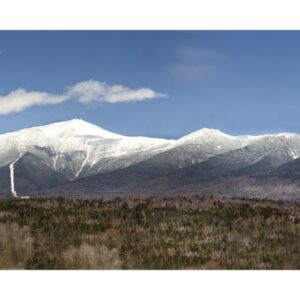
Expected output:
(149, 233)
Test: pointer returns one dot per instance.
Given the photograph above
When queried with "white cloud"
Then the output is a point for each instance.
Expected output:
(85, 92)
(88, 91)
(118, 93)
(21, 99)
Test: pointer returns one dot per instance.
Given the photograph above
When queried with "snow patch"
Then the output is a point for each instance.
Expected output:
(293, 154)
(85, 161)
(12, 176)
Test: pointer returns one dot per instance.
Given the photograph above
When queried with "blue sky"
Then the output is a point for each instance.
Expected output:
(168, 83)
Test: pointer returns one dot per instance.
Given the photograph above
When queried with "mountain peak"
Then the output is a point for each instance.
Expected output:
(207, 133)
(210, 131)
(72, 122)
(77, 127)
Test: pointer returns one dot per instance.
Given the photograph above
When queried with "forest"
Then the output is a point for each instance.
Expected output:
(194, 232)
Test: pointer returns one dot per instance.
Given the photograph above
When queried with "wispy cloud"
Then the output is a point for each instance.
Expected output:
(84, 92)
(21, 99)
(191, 63)
(88, 91)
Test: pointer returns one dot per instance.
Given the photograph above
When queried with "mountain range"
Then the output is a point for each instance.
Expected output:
(78, 159)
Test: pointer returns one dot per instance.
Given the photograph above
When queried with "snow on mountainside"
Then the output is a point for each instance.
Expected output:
(77, 148)
(205, 143)
(72, 147)
(46, 156)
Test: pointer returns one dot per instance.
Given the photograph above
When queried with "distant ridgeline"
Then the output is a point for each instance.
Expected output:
(76, 158)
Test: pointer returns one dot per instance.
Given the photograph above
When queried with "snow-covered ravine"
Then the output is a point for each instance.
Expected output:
(12, 178)
(84, 162)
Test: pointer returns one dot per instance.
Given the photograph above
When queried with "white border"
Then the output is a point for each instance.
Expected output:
(149, 285)
(149, 14)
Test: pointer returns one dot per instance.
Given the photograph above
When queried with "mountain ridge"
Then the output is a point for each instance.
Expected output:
(76, 152)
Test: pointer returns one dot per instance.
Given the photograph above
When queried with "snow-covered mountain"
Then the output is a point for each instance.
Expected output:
(197, 147)
(77, 148)
(74, 151)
